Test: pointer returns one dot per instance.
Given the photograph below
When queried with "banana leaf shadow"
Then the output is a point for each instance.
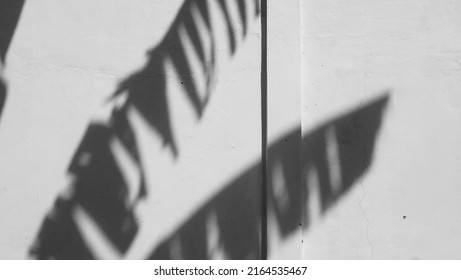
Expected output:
(229, 225)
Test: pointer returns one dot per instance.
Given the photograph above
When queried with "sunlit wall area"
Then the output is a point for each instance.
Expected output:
(381, 90)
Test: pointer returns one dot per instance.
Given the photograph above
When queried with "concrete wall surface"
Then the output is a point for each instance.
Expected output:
(381, 83)
(134, 129)
(191, 71)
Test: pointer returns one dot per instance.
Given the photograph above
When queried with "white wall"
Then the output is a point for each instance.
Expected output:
(283, 118)
(65, 60)
(327, 60)
(352, 52)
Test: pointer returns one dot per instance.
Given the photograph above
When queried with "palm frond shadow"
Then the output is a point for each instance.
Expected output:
(234, 215)
(146, 88)
(98, 187)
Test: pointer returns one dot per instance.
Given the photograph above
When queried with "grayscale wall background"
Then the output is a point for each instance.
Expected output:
(132, 129)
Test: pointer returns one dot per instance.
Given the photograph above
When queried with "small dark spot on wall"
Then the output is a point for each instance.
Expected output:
(404, 217)
(182, 83)
(299, 224)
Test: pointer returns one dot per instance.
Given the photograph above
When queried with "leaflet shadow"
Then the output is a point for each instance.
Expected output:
(331, 158)
(98, 187)
(10, 11)
(146, 89)
(229, 225)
